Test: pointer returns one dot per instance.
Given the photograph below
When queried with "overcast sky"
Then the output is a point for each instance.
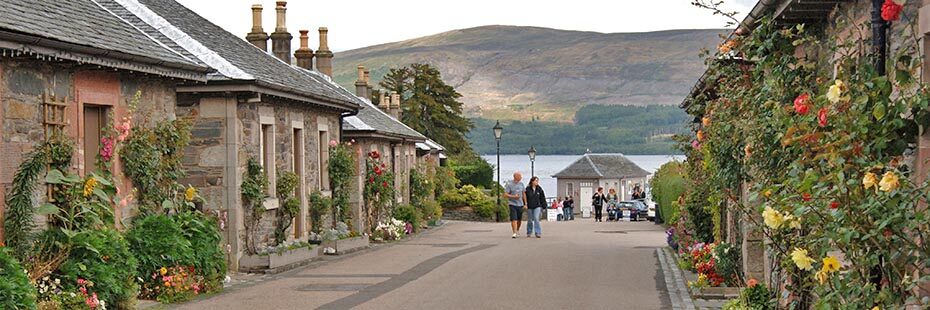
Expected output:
(360, 23)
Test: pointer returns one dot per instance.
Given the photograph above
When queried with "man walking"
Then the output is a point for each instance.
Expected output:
(598, 201)
(514, 191)
(567, 211)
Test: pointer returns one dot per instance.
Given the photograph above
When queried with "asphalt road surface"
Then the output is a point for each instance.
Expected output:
(575, 265)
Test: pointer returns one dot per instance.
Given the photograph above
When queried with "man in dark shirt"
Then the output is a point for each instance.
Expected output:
(568, 212)
(598, 202)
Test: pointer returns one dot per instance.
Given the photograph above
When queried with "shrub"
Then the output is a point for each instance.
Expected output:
(475, 172)
(15, 290)
(727, 258)
(485, 209)
(158, 241)
(754, 297)
(668, 184)
(409, 214)
(319, 206)
(452, 199)
(209, 259)
(431, 210)
(446, 181)
(102, 257)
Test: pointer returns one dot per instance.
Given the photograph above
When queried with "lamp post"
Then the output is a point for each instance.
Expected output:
(498, 131)
(532, 153)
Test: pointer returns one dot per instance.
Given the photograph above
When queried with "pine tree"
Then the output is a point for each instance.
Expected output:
(431, 106)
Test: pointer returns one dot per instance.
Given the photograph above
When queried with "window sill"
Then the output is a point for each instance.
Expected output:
(270, 203)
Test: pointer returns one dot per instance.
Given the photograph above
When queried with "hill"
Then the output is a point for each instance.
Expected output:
(526, 73)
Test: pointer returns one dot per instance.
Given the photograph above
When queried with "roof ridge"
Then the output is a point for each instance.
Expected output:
(593, 165)
(185, 41)
(140, 30)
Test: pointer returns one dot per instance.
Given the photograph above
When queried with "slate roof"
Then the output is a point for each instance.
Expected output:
(600, 166)
(89, 24)
(372, 119)
(233, 57)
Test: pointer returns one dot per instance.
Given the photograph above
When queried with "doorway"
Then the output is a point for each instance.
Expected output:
(95, 120)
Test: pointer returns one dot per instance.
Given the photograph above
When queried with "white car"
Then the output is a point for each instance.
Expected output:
(650, 209)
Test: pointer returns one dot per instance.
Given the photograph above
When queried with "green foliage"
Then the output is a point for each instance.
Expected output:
(452, 199)
(319, 206)
(102, 256)
(727, 262)
(209, 259)
(473, 171)
(409, 214)
(756, 297)
(80, 203)
(422, 186)
(290, 206)
(430, 106)
(484, 208)
(378, 190)
(341, 169)
(669, 183)
(20, 205)
(158, 241)
(432, 211)
(16, 292)
(446, 180)
(152, 160)
(624, 129)
(254, 183)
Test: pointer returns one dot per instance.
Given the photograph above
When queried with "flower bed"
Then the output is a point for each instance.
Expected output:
(280, 256)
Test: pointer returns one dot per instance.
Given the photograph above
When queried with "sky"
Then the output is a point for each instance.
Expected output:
(361, 23)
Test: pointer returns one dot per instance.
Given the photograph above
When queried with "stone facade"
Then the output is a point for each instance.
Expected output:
(24, 81)
(230, 130)
(399, 156)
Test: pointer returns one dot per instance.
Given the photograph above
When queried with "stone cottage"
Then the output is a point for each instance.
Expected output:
(257, 106)
(71, 67)
(610, 171)
(377, 128)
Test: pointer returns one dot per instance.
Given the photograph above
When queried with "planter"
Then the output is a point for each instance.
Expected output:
(276, 261)
(347, 245)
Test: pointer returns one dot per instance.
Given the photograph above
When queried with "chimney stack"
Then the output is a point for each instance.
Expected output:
(257, 37)
(280, 38)
(361, 87)
(383, 103)
(324, 57)
(368, 83)
(395, 105)
(304, 54)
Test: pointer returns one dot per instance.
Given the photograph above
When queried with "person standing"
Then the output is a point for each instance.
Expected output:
(612, 200)
(598, 202)
(568, 213)
(514, 192)
(535, 204)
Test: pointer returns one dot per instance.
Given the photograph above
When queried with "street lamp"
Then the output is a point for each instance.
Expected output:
(498, 131)
(532, 153)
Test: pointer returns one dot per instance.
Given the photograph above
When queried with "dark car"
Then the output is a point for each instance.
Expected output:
(637, 210)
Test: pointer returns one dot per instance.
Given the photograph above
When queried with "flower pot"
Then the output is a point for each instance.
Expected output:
(345, 246)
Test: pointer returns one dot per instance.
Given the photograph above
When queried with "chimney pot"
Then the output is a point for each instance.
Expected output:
(304, 54)
(324, 57)
(257, 37)
(383, 103)
(281, 9)
(395, 105)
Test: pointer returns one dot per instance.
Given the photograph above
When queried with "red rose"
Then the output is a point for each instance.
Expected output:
(378, 170)
(371, 180)
(384, 184)
(374, 154)
(834, 205)
(822, 117)
(806, 196)
(891, 11)
(801, 103)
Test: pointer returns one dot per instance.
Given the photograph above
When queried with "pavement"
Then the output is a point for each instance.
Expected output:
(463, 265)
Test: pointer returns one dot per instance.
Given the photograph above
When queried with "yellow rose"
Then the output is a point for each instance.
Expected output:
(773, 219)
(768, 193)
(831, 264)
(869, 180)
(801, 259)
(163, 270)
(793, 222)
(822, 276)
(889, 182)
(836, 91)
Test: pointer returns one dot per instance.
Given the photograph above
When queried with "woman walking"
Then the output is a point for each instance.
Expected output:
(598, 202)
(535, 203)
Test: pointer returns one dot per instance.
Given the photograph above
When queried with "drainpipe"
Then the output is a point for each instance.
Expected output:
(879, 37)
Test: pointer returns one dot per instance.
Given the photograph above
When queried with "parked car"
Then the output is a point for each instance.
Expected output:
(637, 209)
(650, 209)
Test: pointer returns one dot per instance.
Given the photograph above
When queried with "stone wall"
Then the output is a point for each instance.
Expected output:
(24, 81)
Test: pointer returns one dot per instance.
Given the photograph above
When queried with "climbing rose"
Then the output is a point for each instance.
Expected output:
(869, 180)
(834, 205)
(836, 91)
(889, 182)
(773, 219)
(801, 259)
(700, 135)
(752, 283)
(822, 117)
(374, 154)
(705, 121)
(801, 103)
(333, 143)
(384, 184)
(696, 145)
(891, 10)
(806, 197)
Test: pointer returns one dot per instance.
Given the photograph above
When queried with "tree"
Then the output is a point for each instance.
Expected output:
(431, 106)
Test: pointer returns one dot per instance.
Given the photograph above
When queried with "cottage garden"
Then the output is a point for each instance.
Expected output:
(816, 155)
(83, 256)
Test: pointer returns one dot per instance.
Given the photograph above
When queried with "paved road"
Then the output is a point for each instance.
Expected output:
(576, 265)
